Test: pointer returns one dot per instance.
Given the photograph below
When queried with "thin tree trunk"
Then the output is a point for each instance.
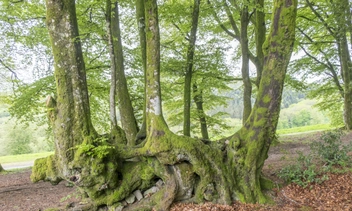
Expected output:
(341, 13)
(198, 99)
(140, 15)
(128, 120)
(260, 31)
(346, 67)
(153, 93)
(116, 131)
(189, 70)
(247, 90)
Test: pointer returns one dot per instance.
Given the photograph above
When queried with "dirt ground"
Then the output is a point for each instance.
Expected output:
(18, 193)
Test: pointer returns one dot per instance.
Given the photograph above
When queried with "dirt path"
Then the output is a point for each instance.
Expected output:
(18, 165)
(18, 193)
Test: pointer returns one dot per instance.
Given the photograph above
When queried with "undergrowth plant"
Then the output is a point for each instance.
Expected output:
(328, 155)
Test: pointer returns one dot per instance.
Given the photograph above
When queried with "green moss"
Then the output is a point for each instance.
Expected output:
(45, 169)
(266, 98)
(266, 184)
(39, 170)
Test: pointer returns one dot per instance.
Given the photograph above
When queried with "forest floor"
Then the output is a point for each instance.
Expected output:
(18, 193)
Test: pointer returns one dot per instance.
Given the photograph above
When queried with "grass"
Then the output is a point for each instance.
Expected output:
(23, 157)
(304, 129)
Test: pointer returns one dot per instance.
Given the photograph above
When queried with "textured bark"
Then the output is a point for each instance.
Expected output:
(251, 144)
(70, 114)
(341, 13)
(198, 99)
(116, 131)
(153, 93)
(187, 91)
(247, 85)
(128, 120)
(260, 32)
(140, 15)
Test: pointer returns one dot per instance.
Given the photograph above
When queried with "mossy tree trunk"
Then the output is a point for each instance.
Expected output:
(1, 168)
(189, 170)
(251, 143)
(69, 110)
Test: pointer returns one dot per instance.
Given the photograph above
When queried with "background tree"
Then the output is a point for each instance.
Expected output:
(237, 15)
(327, 55)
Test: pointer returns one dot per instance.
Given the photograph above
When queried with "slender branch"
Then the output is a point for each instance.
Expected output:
(330, 29)
(13, 73)
(231, 34)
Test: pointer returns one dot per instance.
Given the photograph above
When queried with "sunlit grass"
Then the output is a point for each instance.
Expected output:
(303, 129)
(23, 157)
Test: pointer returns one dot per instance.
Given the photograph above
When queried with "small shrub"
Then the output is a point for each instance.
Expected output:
(331, 150)
(330, 153)
(302, 173)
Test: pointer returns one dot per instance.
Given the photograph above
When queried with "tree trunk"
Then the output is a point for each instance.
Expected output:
(247, 90)
(116, 131)
(70, 113)
(341, 14)
(140, 15)
(1, 168)
(346, 67)
(251, 143)
(260, 31)
(128, 120)
(189, 70)
(173, 168)
(198, 99)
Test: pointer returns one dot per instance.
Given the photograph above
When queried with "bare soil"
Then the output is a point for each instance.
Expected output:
(18, 193)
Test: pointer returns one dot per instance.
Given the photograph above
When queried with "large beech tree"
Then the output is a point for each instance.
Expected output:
(165, 166)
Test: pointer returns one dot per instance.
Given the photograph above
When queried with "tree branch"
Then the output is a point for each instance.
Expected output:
(13, 73)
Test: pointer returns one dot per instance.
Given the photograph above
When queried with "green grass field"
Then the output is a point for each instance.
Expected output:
(23, 157)
(304, 129)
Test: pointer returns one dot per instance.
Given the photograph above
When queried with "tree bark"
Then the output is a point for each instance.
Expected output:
(70, 112)
(189, 71)
(247, 85)
(116, 132)
(251, 143)
(140, 15)
(260, 32)
(198, 99)
(341, 14)
(128, 120)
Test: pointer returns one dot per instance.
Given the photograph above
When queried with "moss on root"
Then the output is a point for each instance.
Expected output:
(45, 169)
